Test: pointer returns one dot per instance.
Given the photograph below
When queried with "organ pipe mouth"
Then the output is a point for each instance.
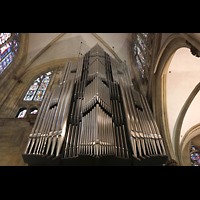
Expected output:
(53, 105)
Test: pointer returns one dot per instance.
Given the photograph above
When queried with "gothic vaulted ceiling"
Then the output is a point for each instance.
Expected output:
(45, 47)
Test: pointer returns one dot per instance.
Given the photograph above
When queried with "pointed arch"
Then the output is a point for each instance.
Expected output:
(186, 144)
(159, 84)
(179, 121)
(37, 90)
(22, 112)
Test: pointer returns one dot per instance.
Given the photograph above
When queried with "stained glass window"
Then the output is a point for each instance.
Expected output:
(141, 50)
(141, 55)
(195, 156)
(4, 37)
(9, 44)
(33, 111)
(21, 113)
(140, 65)
(32, 90)
(37, 90)
(141, 42)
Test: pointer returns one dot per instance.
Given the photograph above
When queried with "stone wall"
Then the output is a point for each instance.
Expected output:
(13, 140)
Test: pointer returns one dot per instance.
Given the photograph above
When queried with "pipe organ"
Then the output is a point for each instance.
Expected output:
(95, 117)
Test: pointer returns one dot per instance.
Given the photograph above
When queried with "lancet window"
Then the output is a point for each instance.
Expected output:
(37, 90)
(22, 112)
(9, 44)
(34, 110)
(141, 50)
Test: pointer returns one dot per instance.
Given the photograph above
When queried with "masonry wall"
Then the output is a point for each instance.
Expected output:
(13, 140)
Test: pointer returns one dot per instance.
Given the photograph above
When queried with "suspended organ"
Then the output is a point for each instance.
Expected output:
(94, 117)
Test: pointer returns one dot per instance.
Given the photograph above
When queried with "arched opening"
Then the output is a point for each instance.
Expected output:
(159, 88)
(37, 90)
(190, 144)
(22, 112)
(182, 77)
(33, 110)
(175, 92)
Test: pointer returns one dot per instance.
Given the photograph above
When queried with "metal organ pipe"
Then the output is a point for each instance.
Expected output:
(94, 115)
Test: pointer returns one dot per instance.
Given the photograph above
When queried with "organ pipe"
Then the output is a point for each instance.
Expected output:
(94, 113)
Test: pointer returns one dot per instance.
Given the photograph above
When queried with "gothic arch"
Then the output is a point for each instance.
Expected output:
(179, 121)
(14, 99)
(9, 76)
(186, 144)
(165, 55)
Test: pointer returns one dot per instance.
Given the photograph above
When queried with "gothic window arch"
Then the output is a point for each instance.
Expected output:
(9, 44)
(30, 102)
(38, 88)
(33, 110)
(22, 112)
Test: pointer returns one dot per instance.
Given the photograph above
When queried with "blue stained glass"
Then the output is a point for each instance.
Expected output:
(4, 37)
(5, 49)
(22, 114)
(193, 149)
(15, 45)
(31, 92)
(138, 62)
(142, 44)
(42, 89)
(6, 61)
(192, 157)
(37, 90)
(140, 66)
(8, 49)
(140, 50)
(195, 156)
(141, 56)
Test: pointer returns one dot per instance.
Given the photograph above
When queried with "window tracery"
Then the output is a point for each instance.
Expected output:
(142, 50)
(9, 44)
(31, 101)
(37, 90)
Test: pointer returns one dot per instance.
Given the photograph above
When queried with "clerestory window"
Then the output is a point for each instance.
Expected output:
(37, 90)
(142, 49)
(9, 44)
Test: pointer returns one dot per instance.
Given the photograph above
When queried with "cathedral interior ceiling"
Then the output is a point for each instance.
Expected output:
(44, 47)
(47, 50)
(177, 73)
